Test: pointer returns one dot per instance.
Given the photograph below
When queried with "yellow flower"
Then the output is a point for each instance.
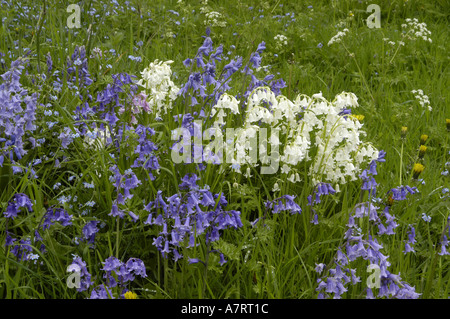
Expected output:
(423, 139)
(417, 169)
(358, 117)
(422, 150)
(404, 130)
(130, 295)
(447, 121)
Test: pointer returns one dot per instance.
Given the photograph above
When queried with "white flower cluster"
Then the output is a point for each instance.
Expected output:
(214, 19)
(280, 41)
(422, 98)
(338, 37)
(160, 89)
(416, 30)
(310, 129)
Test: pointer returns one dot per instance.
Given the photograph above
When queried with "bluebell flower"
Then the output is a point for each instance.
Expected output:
(444, 244)
(88, 185)
(426, 218)
(89, 231)
(100, 292)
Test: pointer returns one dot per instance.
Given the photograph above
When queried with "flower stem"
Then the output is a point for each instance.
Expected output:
(205, 273)
(401, 164)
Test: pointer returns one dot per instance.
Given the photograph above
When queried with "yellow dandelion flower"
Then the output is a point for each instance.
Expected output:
(423, 139)
(447, 121)
(422, 150)
(130, 295)
(417, 169)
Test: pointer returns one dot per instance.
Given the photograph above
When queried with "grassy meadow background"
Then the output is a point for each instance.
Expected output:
(277, 258)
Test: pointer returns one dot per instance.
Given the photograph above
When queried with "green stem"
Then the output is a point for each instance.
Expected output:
(205, 273)
(401, 164)
(117, 238)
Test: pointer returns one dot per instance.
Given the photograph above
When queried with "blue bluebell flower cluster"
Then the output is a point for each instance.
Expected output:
(23, 250)
(338, 275)
(16, 122)
(117, 274)
(125, 183)
(320, 190)
(209, 84)
(184, 218)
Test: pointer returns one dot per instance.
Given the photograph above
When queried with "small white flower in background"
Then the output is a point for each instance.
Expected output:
(280, 41)
(214, 19)
(159, 88)
(338, 37)
(422, 98)
(416, 30)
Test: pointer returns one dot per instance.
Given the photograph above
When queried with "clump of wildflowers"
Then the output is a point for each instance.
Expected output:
(315, 130)
(339, 275)
(159, 90)
(415, 30)
(125, 182)
(16, 120)
(19, 201)
(214, 19)
(118, 274)
(280, 41)
(338, 37)
(422, 98)
(183, 218)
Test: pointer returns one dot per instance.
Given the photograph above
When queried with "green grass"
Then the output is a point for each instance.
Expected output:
(276, 259)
